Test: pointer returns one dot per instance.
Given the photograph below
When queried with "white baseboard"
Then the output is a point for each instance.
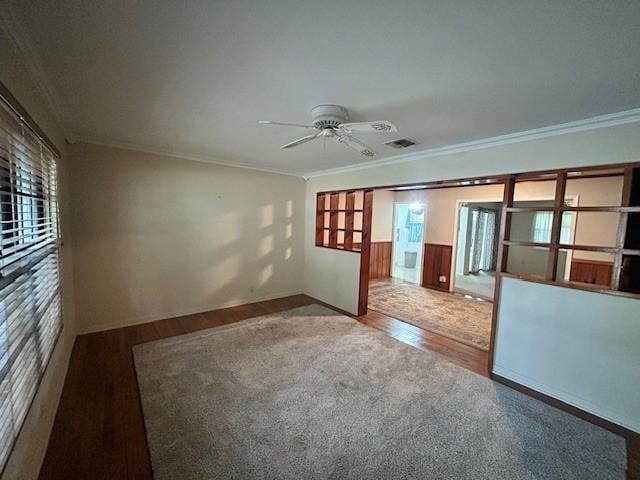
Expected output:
(568, 398)
(127, 322)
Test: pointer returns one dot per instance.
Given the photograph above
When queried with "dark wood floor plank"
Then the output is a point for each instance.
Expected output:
(99, 430)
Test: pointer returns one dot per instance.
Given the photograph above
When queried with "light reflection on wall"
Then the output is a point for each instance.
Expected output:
(265, 274)
(266, 216)
(265, 246)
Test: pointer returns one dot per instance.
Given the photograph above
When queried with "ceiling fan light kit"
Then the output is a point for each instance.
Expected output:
(332, 121)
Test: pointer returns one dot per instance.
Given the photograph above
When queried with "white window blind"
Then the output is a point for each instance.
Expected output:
(30, 297)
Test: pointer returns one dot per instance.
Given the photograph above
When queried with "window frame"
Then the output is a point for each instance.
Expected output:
(31, 282)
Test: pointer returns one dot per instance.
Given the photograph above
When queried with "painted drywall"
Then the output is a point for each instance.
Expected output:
(197, 75)
(338, 277)
(157, 236)
(382, 216)
(580, 347)
(28, 452)
(607, 145)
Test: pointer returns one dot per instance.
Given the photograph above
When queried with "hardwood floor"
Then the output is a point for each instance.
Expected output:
(461, 354)
(99, 430)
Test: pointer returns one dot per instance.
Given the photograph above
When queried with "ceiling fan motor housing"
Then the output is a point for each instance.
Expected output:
(329, 116)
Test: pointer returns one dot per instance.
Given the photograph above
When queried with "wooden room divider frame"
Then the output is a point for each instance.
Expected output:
(621, 253)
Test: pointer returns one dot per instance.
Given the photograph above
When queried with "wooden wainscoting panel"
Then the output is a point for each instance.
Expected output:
(380, 260)
(436, 263)
(591, 271)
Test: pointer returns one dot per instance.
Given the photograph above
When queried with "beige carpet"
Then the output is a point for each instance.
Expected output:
(451, 315)
(311, 394)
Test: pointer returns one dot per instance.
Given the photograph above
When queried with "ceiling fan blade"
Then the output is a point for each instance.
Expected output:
(356, 144)
(300, 141)
(380, 126)
(269, 122)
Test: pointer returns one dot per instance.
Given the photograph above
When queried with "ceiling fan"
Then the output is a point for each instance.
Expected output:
(330, 121)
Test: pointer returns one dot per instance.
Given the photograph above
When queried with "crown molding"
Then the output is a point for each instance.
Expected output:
(28, 54)
(601, 121)
(135, 147)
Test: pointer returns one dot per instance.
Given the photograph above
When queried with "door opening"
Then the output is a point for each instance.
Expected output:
(477, 248)
(408, 241)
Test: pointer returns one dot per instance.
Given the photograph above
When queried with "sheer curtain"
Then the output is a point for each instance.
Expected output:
(484, 240)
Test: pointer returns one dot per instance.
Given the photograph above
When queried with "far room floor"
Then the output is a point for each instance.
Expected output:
(481, 284)
(463, 318)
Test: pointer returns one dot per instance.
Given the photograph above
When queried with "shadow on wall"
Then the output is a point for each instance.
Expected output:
(167, 237)
(245, 254)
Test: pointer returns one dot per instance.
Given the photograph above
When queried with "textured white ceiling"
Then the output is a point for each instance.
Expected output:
(195, 76)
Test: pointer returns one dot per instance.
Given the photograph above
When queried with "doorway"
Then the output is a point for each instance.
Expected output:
(408, 240)
(477, 247)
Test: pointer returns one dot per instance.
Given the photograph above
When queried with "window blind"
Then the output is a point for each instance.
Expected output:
(30, 296)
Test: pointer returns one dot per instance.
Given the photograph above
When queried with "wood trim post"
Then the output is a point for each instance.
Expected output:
(627, 186)
(350, 203)
(505, 224)
(320, 205)
(556, 227)
(503, 254)
(334, 202)
(365, 252)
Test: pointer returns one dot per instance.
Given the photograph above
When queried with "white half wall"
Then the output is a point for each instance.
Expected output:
(382, 216)
(336, 278)
(580, 347)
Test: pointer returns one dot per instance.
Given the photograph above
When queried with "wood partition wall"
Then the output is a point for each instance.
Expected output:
(340, 219)
(624, 273)
(343, 222)
(380, 260)
(595, 272)
(436, 268)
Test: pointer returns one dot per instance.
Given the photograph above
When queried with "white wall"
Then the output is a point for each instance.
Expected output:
(579, 347)
(157, 236)
(336, 276)
(26, 458)
(382, 216)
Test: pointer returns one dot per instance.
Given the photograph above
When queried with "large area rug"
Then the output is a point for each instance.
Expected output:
(452, 315)
(311, 394)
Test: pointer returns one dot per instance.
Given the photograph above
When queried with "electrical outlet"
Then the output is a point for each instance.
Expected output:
(442, 279)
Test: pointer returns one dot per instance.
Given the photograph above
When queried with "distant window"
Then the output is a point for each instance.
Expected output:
(541, 231)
